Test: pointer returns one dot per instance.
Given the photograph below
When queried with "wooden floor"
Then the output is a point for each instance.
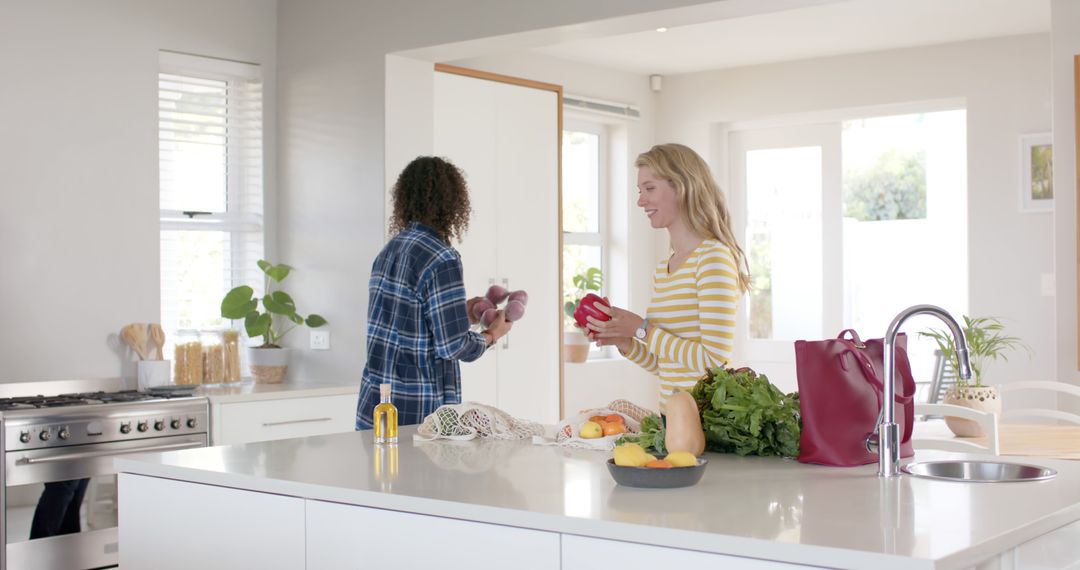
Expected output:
(1055, 441)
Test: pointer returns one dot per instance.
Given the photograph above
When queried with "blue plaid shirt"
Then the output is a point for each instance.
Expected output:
(418, 328)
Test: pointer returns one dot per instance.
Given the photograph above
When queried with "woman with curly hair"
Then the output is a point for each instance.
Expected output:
(418, 318)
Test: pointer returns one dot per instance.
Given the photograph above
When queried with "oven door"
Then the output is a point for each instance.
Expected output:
(60, 508)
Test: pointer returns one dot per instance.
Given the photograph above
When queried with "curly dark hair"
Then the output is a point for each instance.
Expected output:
(432, 191)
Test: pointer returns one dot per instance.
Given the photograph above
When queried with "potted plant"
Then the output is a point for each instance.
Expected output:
(269, 361)
(986, 342)
(575, 343)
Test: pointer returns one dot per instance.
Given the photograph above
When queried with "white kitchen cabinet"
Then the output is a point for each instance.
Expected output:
(282, 418)
(505, 137)
(581, 553)
(343, 536)
(166, 524)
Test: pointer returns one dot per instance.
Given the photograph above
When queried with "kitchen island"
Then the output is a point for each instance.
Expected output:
(339, 501)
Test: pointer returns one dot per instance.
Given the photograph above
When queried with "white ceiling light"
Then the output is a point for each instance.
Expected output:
(661, 30)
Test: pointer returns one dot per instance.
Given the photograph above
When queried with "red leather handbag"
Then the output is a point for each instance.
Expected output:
(840, 393)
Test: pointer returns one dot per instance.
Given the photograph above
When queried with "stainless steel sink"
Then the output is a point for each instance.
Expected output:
(979, 471)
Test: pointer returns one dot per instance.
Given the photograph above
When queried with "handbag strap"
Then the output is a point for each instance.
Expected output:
(854, 337)
(879, 385)
(871, 377)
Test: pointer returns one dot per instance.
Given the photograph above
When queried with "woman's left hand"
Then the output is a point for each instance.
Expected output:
(468, 309)
(622, 324)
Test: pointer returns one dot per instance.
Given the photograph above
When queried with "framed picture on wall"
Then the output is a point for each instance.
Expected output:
(1036, 173)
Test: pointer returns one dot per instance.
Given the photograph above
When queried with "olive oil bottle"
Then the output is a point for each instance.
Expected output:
(385, 418)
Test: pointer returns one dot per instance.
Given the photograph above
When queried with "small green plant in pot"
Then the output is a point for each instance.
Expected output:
(575, 344)
(986, 342)
(269, 361)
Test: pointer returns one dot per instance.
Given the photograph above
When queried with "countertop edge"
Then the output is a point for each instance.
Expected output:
(292, 391)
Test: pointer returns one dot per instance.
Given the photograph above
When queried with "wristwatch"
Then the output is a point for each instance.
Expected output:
(643, 330)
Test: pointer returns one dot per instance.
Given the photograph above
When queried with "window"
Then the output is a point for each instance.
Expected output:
(210, 185)
(584, 169)
(839, 218)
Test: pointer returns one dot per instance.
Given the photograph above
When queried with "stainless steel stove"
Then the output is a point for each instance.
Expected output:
(59, 440)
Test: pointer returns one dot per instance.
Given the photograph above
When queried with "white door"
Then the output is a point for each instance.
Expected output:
(785, 181)
(465, 134)
(505, 138)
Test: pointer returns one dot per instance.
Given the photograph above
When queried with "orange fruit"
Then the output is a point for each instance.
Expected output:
(598, 419)
(659, 464)
(614, 418)
(611, 428)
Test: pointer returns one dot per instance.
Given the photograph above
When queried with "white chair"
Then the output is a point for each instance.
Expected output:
(943, 378)
(944, 440)
(1041, 413)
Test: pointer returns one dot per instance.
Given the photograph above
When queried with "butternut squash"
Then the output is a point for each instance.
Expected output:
(684, 431)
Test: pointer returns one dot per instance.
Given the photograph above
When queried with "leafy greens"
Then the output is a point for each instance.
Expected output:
(651, 437)
(741, 412)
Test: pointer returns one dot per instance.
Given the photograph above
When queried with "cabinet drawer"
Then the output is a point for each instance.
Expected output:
(282, 419)
(340, 536)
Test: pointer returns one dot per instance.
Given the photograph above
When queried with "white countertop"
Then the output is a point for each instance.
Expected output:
(770, 508)
(250, 391)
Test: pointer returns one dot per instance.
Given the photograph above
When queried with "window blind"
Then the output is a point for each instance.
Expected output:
(210, 139)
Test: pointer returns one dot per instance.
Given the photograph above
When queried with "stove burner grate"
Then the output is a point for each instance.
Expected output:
(84, 398)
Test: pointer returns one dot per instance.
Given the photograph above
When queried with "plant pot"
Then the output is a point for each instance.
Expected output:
(982, 398)
(575, 346)
(268, 365)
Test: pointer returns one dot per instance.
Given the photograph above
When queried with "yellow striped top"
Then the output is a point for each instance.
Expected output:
(693, 313)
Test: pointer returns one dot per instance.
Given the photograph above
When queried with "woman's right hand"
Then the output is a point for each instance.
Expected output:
(499, 327)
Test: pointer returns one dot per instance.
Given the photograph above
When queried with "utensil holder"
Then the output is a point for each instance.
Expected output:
(152, 373)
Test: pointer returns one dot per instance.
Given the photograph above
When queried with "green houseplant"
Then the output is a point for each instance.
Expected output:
(269, 361)
(986, 342)
(575, 344)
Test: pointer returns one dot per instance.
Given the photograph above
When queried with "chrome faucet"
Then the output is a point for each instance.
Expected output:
(886, 437)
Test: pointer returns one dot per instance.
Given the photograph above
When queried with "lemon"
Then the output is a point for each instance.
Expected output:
(681, 459)
(631, 455)
(591, 430)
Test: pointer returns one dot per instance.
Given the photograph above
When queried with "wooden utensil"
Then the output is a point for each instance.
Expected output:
(157, 335)
(135, 337)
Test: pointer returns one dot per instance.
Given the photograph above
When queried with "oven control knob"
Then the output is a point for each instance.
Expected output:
(191, 423)
(45, 435)
(175, 424)
(24, 437)
(125, 427)
(64, 433)
(143, 426)
(159, 425)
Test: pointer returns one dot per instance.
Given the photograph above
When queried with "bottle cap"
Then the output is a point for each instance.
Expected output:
(384, 390)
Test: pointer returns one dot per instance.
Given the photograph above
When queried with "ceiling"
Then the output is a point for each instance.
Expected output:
(851, 26)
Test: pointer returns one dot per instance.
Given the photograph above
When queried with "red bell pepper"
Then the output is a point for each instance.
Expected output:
(587, 308)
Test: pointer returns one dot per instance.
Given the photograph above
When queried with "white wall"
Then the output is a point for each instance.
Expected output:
(79, 173)
(1065, 28)
(331, 78)
(1006, 85)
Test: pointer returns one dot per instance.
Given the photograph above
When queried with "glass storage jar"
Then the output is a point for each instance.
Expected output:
(231, 343)
(213, 354)
(188, 359)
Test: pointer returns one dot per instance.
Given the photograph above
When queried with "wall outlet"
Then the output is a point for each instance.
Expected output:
(320, 340)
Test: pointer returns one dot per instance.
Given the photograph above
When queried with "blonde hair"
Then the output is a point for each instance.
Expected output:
(702, 201)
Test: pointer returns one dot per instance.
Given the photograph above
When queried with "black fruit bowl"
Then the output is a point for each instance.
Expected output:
(653, 478)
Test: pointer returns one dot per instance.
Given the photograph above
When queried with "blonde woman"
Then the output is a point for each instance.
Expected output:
(690, 324)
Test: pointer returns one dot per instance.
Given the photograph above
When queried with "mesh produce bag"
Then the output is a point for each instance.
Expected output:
(567, 433)
(469, 420)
